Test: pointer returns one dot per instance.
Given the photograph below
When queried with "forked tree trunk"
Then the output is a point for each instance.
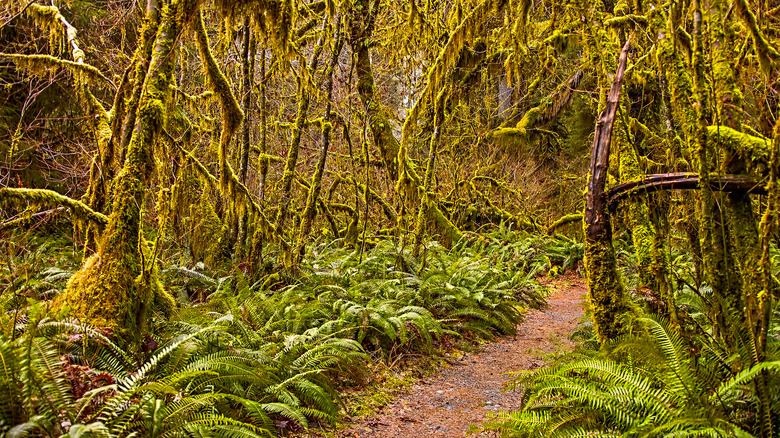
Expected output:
(608, 298)
(117, 287)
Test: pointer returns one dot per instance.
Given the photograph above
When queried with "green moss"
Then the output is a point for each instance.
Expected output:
(755, 152)
(563, 221)
(44, 66)
(110, 295)
(118, 287)
(745, 241)
(206, 231)
(606, 295)
(42, 198)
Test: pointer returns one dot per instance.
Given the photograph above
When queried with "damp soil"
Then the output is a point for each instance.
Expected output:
(471, 390)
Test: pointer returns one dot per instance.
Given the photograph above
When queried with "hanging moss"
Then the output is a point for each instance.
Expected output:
(45, 66)
(41, 199)
(232, 115)
(118, 287)
(205, 232)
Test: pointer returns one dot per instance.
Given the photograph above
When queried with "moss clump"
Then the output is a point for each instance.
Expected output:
(107, 294)
(608, 300)
(755, 152)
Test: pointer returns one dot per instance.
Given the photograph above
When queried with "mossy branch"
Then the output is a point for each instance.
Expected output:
(49, 198)
(563, 221)
(756, 152)
(43, 66)
(232, 115)
(50, 17)
(768, 56)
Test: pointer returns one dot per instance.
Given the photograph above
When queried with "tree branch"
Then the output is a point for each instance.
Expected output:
(50, 198)
(683, 181)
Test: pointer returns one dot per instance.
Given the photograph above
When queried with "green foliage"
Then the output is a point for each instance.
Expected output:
(385, 299)
(257, 360)
(650, 384)
(61, 378)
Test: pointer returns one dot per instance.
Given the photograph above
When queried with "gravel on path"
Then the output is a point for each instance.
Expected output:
(466, 393)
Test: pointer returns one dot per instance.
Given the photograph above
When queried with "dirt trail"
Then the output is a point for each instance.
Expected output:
(464, 393)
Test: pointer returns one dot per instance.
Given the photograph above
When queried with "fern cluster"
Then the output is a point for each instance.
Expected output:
(387, 300)
(255, 360)
(651, 384)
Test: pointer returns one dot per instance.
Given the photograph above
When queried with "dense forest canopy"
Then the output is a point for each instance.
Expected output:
(240, 202)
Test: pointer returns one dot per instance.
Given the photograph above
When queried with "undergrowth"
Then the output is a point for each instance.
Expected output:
(661, 379)
(241, 359)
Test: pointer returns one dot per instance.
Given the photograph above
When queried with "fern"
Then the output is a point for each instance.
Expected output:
(635, 398)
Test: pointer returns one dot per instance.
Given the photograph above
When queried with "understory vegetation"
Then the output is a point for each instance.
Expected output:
(260, 359)
(218, 215)
(659, 379)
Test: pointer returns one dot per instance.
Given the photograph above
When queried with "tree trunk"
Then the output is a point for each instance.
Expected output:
(608, 299)
(361, 23)
(117, 287)
(310, 210)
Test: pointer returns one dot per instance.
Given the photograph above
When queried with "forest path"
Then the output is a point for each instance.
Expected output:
(445, 405)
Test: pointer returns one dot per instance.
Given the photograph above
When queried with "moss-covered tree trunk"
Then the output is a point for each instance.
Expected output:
(644, 235)
(117, 287)
(310, 209)
(304, 99)
(716, 258)
(247, 74)
(607, 296)
(428, 210)
(361, 21)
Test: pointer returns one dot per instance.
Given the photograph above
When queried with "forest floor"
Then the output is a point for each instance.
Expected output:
(465, 394)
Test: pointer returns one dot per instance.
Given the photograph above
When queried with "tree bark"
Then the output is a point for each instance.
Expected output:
(608, 298)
